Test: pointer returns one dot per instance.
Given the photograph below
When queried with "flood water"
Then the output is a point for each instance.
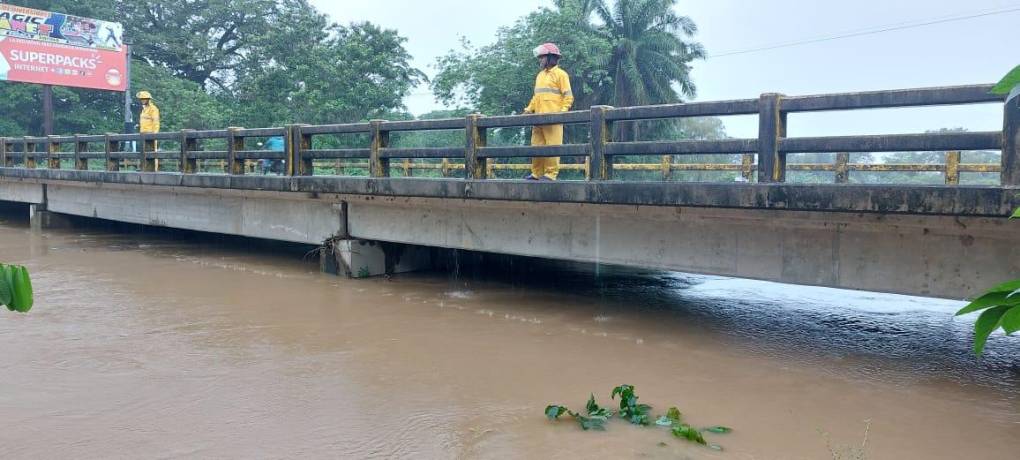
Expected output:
(165, 345)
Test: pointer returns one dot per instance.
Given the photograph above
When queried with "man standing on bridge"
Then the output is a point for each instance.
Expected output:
(552, 94)
(148, 121)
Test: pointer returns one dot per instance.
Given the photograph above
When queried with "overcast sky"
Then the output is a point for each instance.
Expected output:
(978, 50)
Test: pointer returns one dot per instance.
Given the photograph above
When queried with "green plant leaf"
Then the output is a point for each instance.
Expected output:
(1008, 82)
(596, 410)
(1011, 320)
(718, 429)
(22, 289)
(6, 286)
(685, 431)
(621, 390)
(673, 414)
(554, 412)
(1016, 214)
(591, 423)
(992, 298)
(985, 324)
(1008, 286)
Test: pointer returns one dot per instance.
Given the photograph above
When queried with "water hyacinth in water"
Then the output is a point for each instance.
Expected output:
(637, 414)
(15, 288)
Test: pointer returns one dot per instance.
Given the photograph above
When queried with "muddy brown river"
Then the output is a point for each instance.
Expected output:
(169, 345)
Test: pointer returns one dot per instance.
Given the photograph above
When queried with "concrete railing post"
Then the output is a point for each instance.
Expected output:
(475, 138)
(747, 167)
(302, 142)
(842, 167)
(148, 161)
(189, 144)
(377, 165)
(3, 153)
(1011, 140)
(235, 144)
(29, 151)
(110, 146)
(52, 148)
(288, 150)
(771, 127)
(953, 167)
(80, 147)
(601, 166)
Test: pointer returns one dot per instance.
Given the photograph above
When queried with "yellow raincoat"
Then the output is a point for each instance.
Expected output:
(552, 94)
(148, 122)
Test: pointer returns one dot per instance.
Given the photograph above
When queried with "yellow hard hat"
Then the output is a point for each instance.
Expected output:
(143, 95)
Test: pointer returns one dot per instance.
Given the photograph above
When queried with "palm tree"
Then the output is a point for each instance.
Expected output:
(652, 49)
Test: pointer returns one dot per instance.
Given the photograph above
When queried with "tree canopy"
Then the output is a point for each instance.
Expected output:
(211, 64)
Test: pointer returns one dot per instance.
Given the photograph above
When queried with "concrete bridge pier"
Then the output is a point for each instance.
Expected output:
(357, 258)
(39, 218)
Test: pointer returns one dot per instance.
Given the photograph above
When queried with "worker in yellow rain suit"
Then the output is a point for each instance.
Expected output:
(148, 121)
(552, 94)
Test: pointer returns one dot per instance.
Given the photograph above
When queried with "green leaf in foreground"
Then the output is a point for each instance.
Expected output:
(1016, 214)
(985, 324)
(15, 288)
(1011, 320)
(22, 290)
(993, 298)
(6, 286)
(1010, 81)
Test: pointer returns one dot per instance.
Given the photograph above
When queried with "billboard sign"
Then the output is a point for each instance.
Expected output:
(59, 49)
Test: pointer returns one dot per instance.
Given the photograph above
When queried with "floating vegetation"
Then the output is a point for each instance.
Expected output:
(637, 414)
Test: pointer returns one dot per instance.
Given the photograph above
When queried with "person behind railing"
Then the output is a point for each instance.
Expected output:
(148, 120)
(275, 144)
(552, 94)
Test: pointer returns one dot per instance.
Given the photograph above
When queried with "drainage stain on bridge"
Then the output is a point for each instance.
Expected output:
(145, 345)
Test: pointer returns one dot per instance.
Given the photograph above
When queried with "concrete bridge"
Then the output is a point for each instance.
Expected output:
(944, 241)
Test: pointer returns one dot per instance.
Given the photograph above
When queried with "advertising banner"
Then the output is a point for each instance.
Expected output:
(58, 49)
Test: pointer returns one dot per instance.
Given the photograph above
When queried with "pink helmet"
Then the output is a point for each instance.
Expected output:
(546, 48)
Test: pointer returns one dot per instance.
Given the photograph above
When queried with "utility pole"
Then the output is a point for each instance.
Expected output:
(47, 104)
(128, 118)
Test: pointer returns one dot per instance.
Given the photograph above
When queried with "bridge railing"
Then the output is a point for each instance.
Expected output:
(763, 157)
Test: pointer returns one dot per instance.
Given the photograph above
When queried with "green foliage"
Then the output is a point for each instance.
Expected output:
(596, 419)
(639, 52)
(685, 431)
(15, 288)
(1016, 214)
(650, 55)
(554, 412)
(1010, 81)
(229, 62)
(596, 410)
(637, 414)
(1000, 307)
(630, 410)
